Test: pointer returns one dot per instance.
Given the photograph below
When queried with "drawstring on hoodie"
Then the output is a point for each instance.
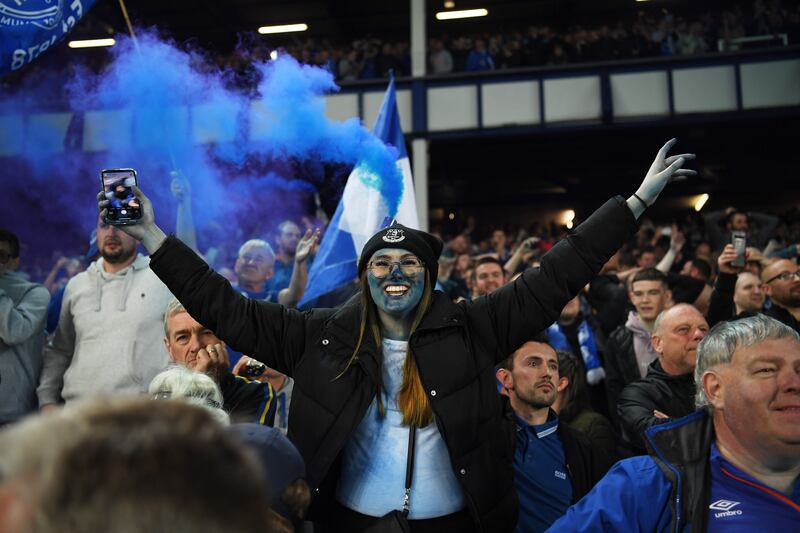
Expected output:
(99, 282)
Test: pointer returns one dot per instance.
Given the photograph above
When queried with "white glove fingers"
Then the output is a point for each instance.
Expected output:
(674, 158)
(662, 154)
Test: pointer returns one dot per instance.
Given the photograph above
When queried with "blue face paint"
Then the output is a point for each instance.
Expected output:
(398, 303)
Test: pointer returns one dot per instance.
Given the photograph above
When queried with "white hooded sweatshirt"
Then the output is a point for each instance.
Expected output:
(110, 334)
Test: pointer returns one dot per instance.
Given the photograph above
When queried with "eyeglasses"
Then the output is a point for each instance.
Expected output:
(382, 267)
(253, 259)
(785, 276)
(167, 395)
(4, 257)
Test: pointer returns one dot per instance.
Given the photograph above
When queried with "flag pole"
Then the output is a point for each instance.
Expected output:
(128, 23)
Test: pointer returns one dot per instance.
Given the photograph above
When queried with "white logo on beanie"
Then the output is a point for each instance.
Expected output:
(394, 235)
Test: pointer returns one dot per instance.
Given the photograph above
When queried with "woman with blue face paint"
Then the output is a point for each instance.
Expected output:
(402, 355)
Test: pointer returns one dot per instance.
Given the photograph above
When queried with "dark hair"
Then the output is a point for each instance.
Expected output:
(297, 498)
(703, 266)
(734, 213)
(650, 274)
(626, 259)
(541, 338)
(485, 261)
(12, 240)
(412, 398)
(576, 396)
(647, 249)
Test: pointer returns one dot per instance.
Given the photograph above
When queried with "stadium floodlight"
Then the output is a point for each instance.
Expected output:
(91, 43)
(461, 14)
(282, 28)
(700, 201)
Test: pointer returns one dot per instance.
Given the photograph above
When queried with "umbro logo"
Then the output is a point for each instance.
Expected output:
(723, 505)
(726, 508)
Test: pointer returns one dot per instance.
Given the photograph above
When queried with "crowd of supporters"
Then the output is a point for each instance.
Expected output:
(644, 34)
(619, 371)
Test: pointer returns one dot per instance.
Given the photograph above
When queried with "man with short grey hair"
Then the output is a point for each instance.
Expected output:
(732, 465)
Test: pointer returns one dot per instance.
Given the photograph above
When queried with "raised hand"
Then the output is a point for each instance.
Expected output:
(725, 259)
(663, 170)
(676, 240)
(179, 187)
(214, 361)
(146, 230)
(306, 245)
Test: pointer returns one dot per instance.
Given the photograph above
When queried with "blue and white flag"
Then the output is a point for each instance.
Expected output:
(30, 27)
(362, 211)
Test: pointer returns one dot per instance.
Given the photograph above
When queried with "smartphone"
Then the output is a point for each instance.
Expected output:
(253, 369)
(123, 208)
(739, 241)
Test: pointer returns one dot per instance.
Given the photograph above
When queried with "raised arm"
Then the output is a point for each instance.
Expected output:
(292, 295)
(270, 332)
(516, 312)
(184, 220)
(721, 306)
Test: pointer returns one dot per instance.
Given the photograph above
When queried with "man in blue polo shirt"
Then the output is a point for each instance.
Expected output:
(731, 466)
(554, 464)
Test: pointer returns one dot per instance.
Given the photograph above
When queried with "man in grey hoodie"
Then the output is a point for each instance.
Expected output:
(629, 351)
(109, 337)
(23, 310)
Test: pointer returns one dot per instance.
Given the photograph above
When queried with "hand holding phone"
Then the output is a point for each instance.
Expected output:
(739, 241)
(145, 230)
(123, 207)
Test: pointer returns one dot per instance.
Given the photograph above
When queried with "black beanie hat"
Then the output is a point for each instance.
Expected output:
(424, 245)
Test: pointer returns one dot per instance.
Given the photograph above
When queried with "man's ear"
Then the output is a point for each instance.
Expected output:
(714, 387)
(563, 383)
(169, 351)
(657, 343)
(766, 288)
(505, 378)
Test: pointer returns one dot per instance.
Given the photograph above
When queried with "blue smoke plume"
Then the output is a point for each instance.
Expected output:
(158, 108)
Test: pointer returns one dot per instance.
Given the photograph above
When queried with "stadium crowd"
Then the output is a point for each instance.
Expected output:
(648, 33)
(649, 374)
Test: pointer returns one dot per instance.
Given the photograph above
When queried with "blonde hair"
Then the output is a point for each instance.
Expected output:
(411, 399)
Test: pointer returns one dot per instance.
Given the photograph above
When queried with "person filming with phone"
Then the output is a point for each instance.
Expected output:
(395, 409)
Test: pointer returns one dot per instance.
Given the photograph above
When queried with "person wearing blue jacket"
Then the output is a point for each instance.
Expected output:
(731, 466)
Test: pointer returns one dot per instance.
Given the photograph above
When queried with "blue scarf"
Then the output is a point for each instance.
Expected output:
(594, 371)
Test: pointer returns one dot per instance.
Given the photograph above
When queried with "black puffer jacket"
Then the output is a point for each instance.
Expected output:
(456, 348)
(621, 367)
(672, 395)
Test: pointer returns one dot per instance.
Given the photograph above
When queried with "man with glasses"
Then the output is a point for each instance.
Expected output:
(23, 310)
(782, 284)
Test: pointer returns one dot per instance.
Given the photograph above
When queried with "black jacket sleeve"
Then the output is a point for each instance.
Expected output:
(721, 306)
(516, 312)
(615, 380)
(585, 465)
(635, 410)
(248, 401)
(273, 334)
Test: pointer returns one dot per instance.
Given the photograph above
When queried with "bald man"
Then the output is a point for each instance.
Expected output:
(782, 284)
(667, 392)
(748, 294)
